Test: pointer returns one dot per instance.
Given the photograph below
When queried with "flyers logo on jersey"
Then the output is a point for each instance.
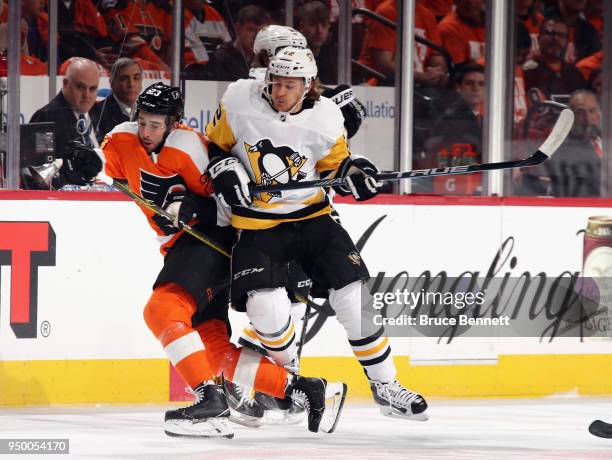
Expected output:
(158, 188)
(274, 165)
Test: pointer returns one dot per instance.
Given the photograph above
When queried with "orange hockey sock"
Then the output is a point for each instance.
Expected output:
(168, 315)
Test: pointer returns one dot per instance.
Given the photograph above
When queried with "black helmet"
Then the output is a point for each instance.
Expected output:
(161, 99)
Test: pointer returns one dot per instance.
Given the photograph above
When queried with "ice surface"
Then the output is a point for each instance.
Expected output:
(470, 429)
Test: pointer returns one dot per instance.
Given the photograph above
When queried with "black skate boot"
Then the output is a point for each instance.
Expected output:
(397, 401)
(322, 401)
(244, 409)
(205, 418)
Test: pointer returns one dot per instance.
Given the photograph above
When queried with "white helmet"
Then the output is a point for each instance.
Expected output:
(272, 38)
(293, 62)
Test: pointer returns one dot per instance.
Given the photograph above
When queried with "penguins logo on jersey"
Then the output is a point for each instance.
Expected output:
(158, 188)
(274, 165)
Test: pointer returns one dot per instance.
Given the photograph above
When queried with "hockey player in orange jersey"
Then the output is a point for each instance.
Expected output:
(163, 161)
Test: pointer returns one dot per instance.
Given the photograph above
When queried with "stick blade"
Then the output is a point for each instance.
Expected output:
(601, 429)
(557, 136)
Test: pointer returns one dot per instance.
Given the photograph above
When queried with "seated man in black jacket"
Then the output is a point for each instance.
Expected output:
(126, 86)
(72, 109)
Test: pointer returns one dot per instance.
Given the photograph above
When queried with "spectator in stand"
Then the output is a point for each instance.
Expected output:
(205, 31)
(37, 34)
(590, 63)
(463, 31)
(118, 106)
(575, 169)
(430, 69)
(29, 65)
(549, 72)
(532, 19)
(583, 38)
(232, 60)
(82, 32)
(439, 8)
(378, 52)
(313, 23)
(71, 109)
(140, 29)
(461, 123)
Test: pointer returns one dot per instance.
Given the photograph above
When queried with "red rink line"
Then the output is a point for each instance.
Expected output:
(416, 200)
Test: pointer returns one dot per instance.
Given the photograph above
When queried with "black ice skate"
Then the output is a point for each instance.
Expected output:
(205, 418)
(244, 409)
(322, 401)
(397, 401)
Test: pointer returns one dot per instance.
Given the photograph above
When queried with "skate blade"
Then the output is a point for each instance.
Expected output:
(335, 394)
(394, 413)
(210, 428)
(601, 429)
(283, 417)
(245, 420)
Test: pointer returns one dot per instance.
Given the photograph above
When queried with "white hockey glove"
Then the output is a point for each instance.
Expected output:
(230, 181)
(359, 180)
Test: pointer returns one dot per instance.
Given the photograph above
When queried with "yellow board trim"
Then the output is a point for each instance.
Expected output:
(84, 381)
(147, 380)
(512, 376)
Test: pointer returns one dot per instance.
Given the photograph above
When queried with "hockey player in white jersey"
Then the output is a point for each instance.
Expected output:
(268, 42)
(282, 131)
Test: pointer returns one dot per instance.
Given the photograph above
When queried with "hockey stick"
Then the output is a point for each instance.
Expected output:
(554, 140)
(601, 429)
(157, 210)
(304, 326)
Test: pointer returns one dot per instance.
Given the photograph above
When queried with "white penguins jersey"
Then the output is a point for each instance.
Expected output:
(279, 148)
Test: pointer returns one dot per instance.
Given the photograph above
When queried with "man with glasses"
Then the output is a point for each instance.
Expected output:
(549, 72)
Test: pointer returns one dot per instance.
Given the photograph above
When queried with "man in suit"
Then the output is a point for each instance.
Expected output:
(126, 85)
(71, 109)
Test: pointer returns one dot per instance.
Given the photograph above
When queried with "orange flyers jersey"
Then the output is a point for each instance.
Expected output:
(202, 38)
(140, 18)
(463, 42)
(178, 166)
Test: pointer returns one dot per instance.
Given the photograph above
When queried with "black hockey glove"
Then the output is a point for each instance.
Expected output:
(359, 180)
(200, 208)
(352, 109)
(81, 164)
(230, 181)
